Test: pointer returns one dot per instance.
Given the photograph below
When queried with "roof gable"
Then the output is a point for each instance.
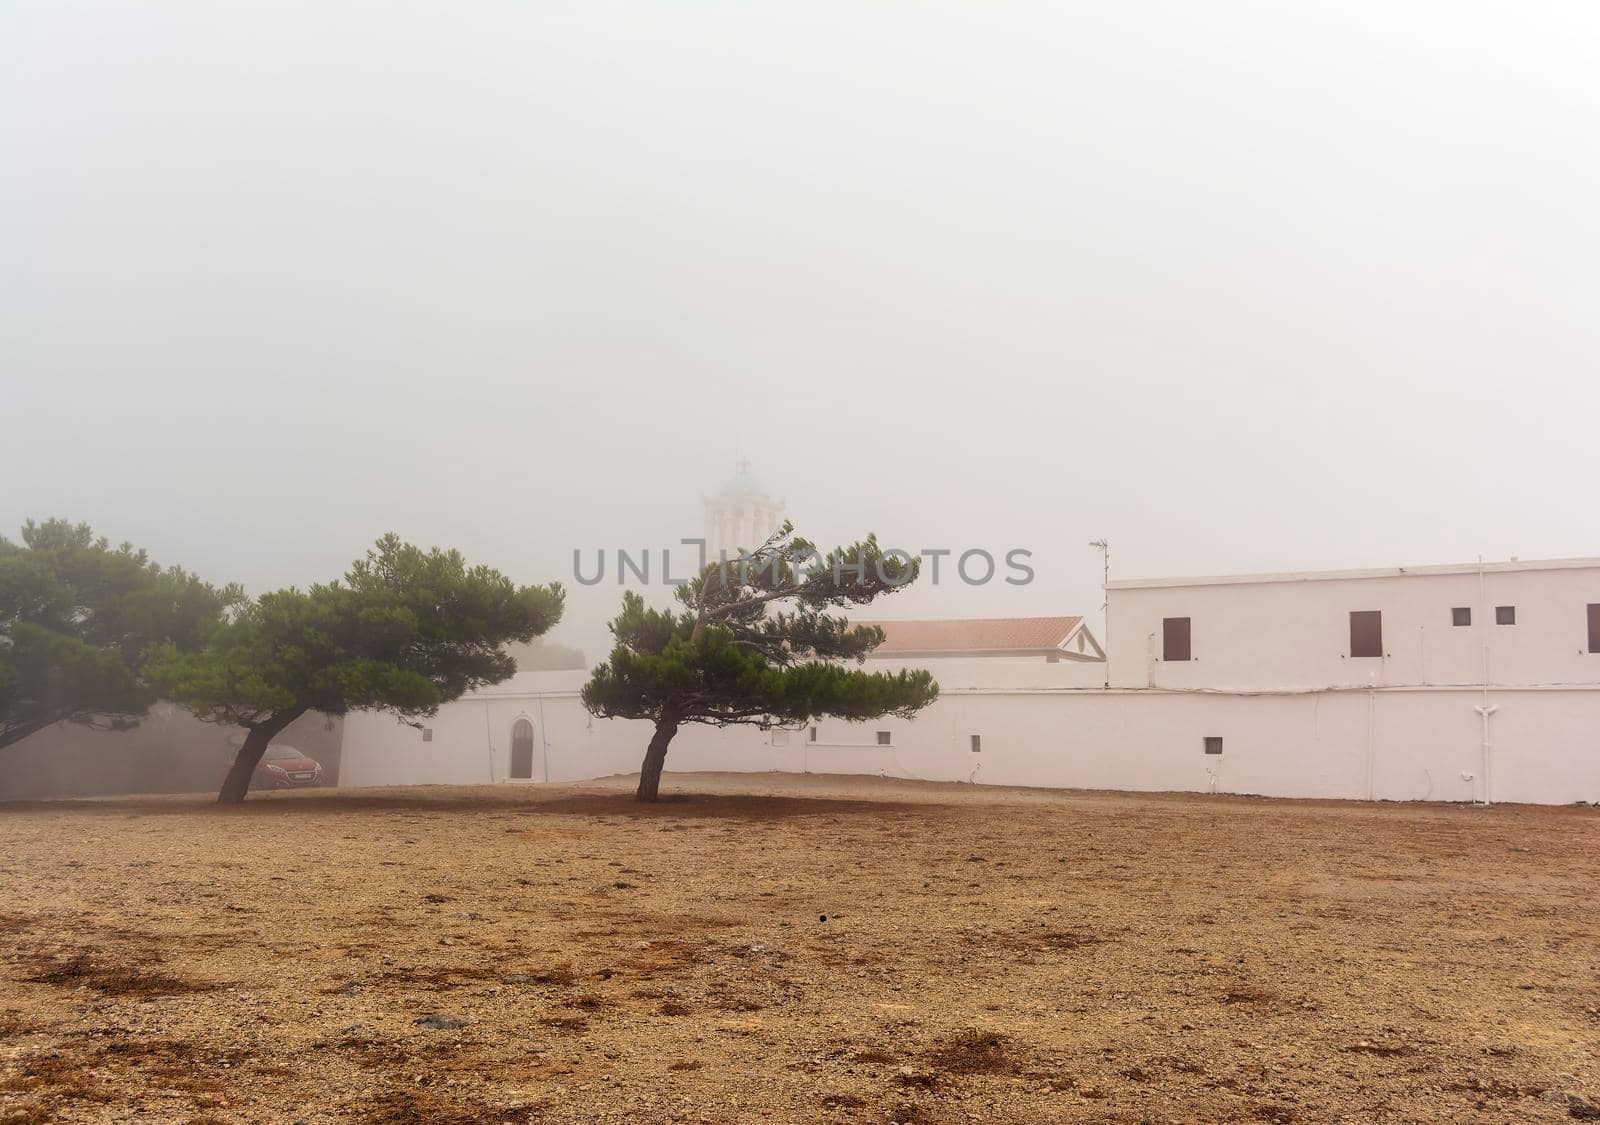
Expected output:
(975, 635)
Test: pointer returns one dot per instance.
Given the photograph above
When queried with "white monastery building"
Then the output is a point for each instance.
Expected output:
(1478, 682)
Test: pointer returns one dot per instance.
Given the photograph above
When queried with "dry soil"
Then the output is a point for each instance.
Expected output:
(796, 949)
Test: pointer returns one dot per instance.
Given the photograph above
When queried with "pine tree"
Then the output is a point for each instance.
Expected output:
(753, 643)
(405, 631)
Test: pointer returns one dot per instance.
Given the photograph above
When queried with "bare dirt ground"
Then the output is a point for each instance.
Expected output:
(514, 954)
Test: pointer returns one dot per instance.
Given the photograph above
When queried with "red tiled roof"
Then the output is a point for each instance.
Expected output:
(982, 634)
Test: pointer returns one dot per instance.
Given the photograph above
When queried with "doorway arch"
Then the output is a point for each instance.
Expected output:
(522, 750)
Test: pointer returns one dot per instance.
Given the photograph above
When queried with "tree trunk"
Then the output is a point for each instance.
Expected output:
(237, 783)
(656, 756)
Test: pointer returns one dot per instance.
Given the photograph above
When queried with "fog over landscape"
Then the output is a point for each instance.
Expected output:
(1235, 288)
(381, 789)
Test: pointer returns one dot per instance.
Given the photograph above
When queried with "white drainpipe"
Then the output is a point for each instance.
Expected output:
(1485, 710)
(1372, 741)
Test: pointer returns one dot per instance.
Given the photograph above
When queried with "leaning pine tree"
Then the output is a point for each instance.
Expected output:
(723, 659)
(405, 631)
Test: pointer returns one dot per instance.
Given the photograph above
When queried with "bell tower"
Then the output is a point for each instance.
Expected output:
(741, 515)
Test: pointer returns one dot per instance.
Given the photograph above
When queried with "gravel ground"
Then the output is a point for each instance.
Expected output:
(796, 949)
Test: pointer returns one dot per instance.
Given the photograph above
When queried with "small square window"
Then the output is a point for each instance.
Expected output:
(1505, 615)
(812, 735)
(427, 734)
(883, 738)
(977, 743)
(1461, 615)
(1213, 744)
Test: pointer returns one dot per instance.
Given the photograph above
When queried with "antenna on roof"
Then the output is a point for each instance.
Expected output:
(1104, 547)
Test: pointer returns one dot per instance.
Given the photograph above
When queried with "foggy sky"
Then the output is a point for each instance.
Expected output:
(1237, 286)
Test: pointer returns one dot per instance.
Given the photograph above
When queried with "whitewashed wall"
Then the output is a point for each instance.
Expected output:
(1386, 744)
(471, 740)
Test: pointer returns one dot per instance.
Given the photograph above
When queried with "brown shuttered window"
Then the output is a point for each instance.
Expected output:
(1366, 632)
(1594, 626)
(1174, 638)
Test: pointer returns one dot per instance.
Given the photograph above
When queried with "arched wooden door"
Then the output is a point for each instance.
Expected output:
(522, 750)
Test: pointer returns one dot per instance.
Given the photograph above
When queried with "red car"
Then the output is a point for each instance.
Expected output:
(284, 767)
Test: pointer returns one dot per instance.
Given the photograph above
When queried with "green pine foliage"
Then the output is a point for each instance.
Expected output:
(405, 631)
(729, 654)
(78, 618)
